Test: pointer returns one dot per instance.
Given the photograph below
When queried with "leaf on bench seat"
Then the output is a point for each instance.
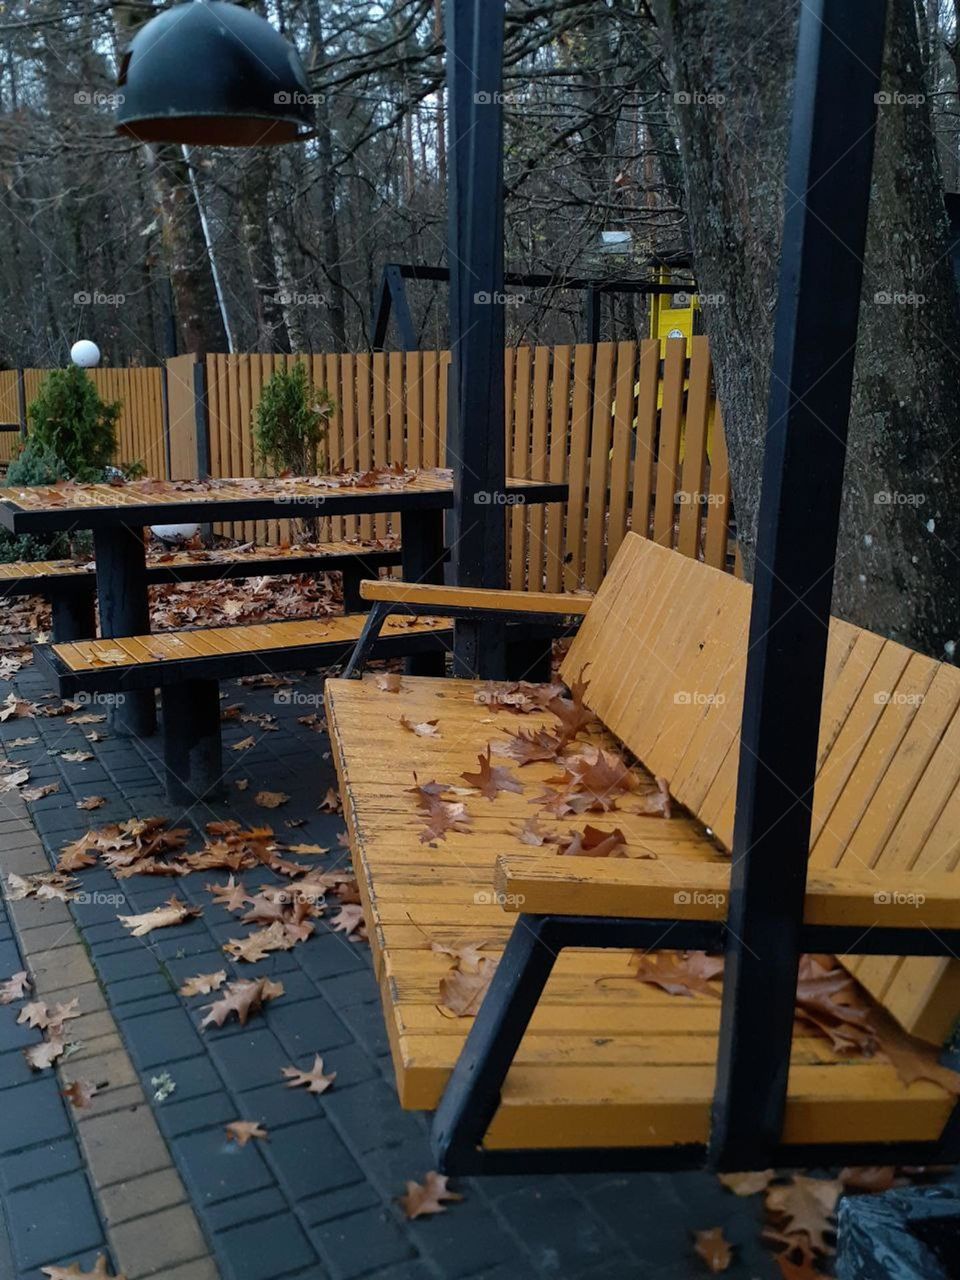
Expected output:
(462, 990)
(492, 779)
(591, 842)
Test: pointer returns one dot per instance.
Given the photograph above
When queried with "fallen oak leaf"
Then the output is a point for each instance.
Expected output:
(203, 984)
(492, 779)
(43, 1055)
(444, 816)
(679, 973)
(245, 745)
(389, 683)
(462, 990)
(38, 793)
(747, 1184)
(257, 946)
(425, 729)
(331, 802)
(806, 1206)
(349, 920)
(15, 987)
(173, 912)
(92, 802)
(467, 954)
(530, 747)
(76, 757)
(241, 1131)
(73, 1272)
(81, 1093)
(35, 1014)
(270, 799)
(242, 999)
(715, 1250)
(314, 1080)
(430, 1196)
(591, 842)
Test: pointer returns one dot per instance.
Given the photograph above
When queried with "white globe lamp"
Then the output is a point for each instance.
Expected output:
(85, 353)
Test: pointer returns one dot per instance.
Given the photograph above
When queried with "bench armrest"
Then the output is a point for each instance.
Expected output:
(686, 889)
(439, 598)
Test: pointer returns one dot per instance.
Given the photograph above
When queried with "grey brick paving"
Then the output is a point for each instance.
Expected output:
(318, 1199)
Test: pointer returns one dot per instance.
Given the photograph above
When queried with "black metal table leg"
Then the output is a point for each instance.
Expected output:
(125, 611)
(191, 741)
(74, 613)
(422, 549)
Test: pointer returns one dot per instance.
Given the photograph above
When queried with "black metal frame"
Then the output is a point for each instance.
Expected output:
(472, 1095)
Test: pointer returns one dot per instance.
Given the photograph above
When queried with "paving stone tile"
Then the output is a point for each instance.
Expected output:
(40, 1163)
(126, 1097)
(25, 861)
(161, 1038)
(250, 1058)
(152, 1244)
(215, 1169)
(123, 1145)
(112, 1069)
(329, 957)
(134, 990)
(245, 1209)
(62, 967)
(309, 1157)
(126, 965)
(29, 913)
(257, 1253)
(89, 995)
(32, 1113)
(198, 1269)
(308, 1027)
(192, 1077)
(369, 1116)
(338, 1203)
(178, 1118)
(38, 1235)
(13, 1070)
(362, 1243)
(560, 1236)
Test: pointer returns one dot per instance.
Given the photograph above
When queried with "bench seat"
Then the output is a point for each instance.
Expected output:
(607, 1060)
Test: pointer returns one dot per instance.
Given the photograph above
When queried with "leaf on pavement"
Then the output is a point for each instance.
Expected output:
(173, 912)
(241, 999)
(349, 920)
(331, 802)
(14, 987)
(73, 1272)
(204, 984)
(428, 1196)
(241, 1131)
(232, 895)
(244, 745)
(270, 799)
(747, 1184)
(713, 1247)
(315, 1080)
(92, 802)
(43, 1055)
(806, 1206)
(81, 1093)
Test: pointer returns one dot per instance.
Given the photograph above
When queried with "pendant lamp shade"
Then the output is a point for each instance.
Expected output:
(207, 73)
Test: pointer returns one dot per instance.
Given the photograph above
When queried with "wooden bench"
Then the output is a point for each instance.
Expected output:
(573, 1063)
(71, 587)
(187, 666)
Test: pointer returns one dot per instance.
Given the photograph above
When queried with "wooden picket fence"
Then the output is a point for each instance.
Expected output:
(637, 438)
(140, 434)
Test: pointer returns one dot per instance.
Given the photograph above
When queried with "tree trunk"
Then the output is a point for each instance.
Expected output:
(731, 69)
(254, 221)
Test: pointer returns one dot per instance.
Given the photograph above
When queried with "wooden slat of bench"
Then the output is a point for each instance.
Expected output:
(475, 597)
(606, 1057)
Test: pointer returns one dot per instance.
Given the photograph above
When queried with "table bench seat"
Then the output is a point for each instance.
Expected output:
(607, 1060)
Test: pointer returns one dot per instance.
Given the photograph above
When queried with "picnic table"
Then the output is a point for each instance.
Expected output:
(117, 514)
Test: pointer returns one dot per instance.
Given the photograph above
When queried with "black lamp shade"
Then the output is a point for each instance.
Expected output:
(208, 73)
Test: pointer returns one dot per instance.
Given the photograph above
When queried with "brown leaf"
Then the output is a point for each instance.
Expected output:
(173, 912)
(331, 802)
(317, 849)
(241, 999)
(492, 779)
(244, 745)
(389, 683)
(81, 1093)
(598, 776)
(76, 757)
(314, 1079)
(713, 1247)
(467, 954)
(203, 984)
(444, 816)
(349, 920)
(591, 842)
(43, 1055)
(529, 747)
(462, 990)
(680, 973)
(92, 802)
(270, 799)
(806, 1206)
(428, 1196)
(35, 1014)
(38, 793)
(747, 1184)
(530, 833)
(425, 729)
(15, 987)
(232, 895)
(73, 1272)
(241, 1131)
(257, 946)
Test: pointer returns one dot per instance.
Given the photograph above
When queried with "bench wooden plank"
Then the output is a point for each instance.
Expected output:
(431, 596)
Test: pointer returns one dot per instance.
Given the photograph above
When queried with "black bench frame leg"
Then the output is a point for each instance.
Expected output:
(379, 612)
(192, 753)
(74, 613)
(352, 600)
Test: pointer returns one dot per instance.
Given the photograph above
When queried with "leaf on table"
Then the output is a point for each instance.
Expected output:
(241, 1131)
(426, 793)
(430, 1196)
(444, 816)
(204, 984)
(596, 778)
(43, 1055)
(591, 842)
(73, 1272)
(806, 1206)
(37, 793)
(257, 946)
(462, 990)
(92, 802)
(241, 999)
(244, 745)
(331, 802)
(529, 747)
(912, 1058)
(572, 713)
(314, 1080)
(492, 779)
(468, 955)
(173, 912)
(747, 1184)
(391, 682)
(76, 757)
(270, 799)
(81, 1093)
(425, 729)
(14, 987)
(521, 696)
(714, 1248)
(680, 973)
(531, 833)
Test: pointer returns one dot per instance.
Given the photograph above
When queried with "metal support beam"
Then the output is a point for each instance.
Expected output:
(475, 449)
(829, 170)
(392, 300)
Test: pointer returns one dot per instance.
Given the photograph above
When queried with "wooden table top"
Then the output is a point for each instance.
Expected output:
(46, 508)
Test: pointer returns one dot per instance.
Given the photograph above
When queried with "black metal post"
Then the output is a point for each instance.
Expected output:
(839, 59)
(125, 611)
(392, 300)
(421, 545)
(74, 613)
(22, 403)
(475, 449)
(191, 741)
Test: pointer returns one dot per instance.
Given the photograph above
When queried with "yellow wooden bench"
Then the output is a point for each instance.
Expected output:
(612, 1070)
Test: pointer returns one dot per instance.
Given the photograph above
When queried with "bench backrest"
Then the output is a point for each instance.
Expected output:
(666, 641)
